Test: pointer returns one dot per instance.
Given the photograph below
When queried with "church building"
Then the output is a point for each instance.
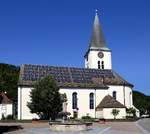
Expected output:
(94, 90)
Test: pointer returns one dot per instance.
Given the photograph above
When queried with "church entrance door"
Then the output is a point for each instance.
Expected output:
(75, 114)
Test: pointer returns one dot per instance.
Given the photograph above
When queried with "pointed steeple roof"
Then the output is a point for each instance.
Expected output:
(97, 39)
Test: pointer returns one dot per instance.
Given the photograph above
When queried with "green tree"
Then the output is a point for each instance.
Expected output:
(131, 111)
(9, 75)
(45, 99)
(115, 112)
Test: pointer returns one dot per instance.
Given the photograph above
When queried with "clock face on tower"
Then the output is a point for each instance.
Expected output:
(100, 55)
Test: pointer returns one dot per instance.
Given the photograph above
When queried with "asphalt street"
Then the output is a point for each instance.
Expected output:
(140, 127)
(144, 125)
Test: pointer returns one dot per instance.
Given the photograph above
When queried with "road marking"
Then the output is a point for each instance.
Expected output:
(104, 130)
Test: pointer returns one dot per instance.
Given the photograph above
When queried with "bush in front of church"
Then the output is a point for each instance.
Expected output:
(115, 112)
(87, 118)
(45, 99)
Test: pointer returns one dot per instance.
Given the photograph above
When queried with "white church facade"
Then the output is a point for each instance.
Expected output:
(94, 90)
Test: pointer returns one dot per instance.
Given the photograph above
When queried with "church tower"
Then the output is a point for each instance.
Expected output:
(98, 55)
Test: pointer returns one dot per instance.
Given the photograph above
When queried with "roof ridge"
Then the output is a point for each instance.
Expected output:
(66, 67)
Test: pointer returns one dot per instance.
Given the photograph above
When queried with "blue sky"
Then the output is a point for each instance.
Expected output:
(57, 32)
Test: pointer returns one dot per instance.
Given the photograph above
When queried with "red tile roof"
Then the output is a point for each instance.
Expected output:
(4, 99)
(109, 102)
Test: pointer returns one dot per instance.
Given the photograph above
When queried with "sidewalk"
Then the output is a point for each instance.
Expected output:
(121, 128)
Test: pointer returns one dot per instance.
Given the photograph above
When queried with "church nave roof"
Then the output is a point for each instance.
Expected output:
(70, 76)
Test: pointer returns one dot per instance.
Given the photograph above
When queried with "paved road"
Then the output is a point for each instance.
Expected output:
(47, 131)
(107, 128)
(144, 124)
(122, 128)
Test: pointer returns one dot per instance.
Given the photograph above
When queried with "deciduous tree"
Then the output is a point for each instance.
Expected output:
(45, 99)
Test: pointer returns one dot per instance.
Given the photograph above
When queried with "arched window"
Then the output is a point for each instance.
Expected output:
(99, 66)
(114, 94)
(91, 100)
(74, 100)
(87, 58)
(102, 64)
(130, 93)
(130, 98)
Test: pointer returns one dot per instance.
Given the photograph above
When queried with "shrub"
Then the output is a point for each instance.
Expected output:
(131, 112)
(64, 114)
(3, 117)
(86, 117)
(9, 117)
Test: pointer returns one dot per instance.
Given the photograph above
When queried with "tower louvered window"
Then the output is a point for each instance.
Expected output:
(99, 65)
(102, 64)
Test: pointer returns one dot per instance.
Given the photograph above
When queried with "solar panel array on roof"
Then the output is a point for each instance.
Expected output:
(63, 74)
(32, 73)
(85, 75)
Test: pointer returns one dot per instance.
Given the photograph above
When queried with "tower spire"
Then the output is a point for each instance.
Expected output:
(97, 39)
(98, 55)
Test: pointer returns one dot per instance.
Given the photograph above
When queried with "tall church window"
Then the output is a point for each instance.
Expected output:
(102, 64)
(130, 98)
(99, 66)
(74, 100)
(114, 94)
(91, 100)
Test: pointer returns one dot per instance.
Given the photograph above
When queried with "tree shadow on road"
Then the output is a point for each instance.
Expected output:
(9, 128)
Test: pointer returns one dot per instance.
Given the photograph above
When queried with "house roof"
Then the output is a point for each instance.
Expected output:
(70, 76)
(4, 99)
(109, 102)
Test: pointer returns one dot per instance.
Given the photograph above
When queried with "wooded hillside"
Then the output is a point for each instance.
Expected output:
(142, 102)
(8, 80)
